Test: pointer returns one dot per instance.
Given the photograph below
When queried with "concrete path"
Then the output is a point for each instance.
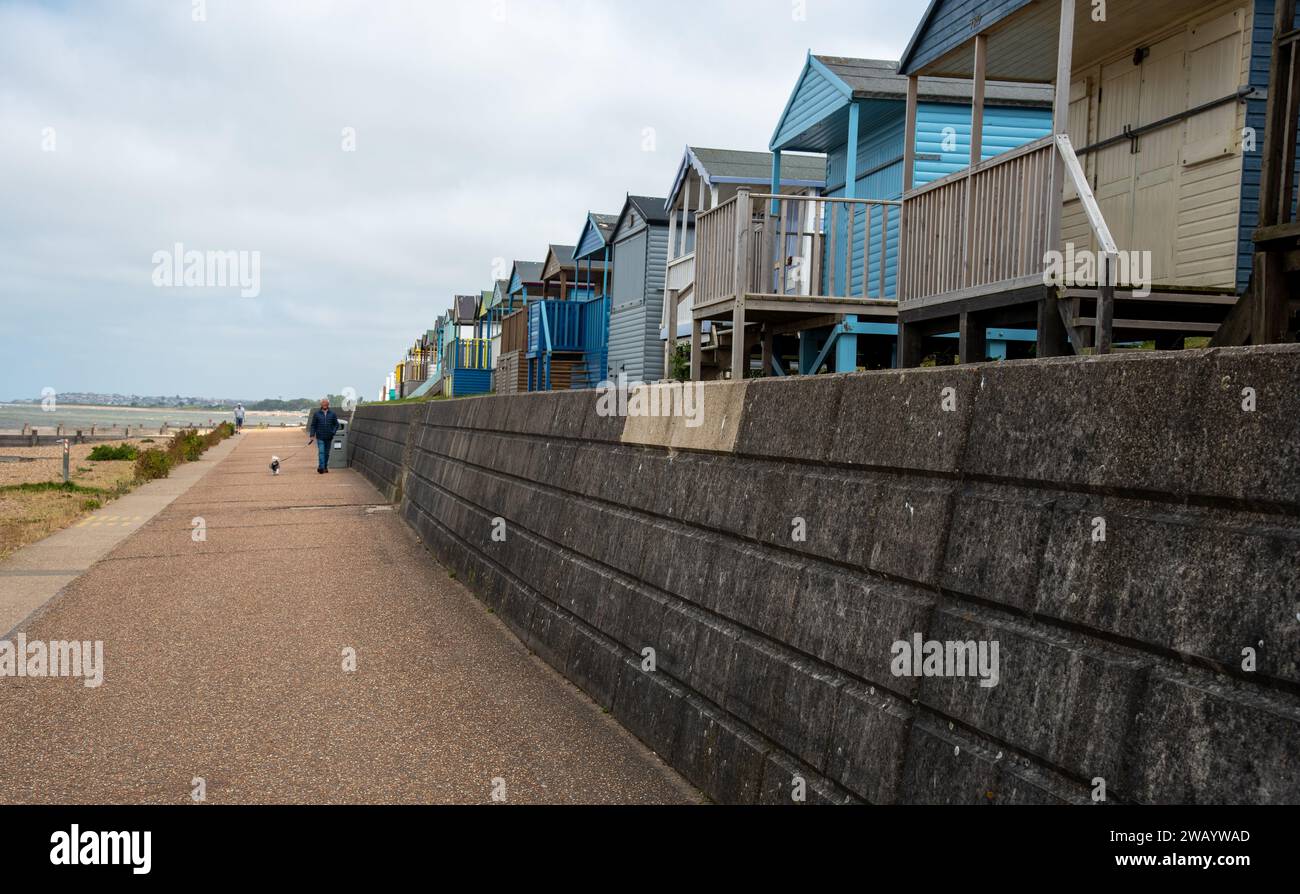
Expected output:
(224, 661)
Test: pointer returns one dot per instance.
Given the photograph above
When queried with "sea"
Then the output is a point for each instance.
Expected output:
(14, 416)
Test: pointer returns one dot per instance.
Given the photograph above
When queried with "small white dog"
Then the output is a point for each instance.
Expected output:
(275, 465)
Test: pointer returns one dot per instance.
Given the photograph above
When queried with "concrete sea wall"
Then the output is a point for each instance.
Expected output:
(1126, 530)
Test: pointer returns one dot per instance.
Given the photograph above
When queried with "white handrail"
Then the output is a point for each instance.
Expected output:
(1081, 186)
(1110, 252)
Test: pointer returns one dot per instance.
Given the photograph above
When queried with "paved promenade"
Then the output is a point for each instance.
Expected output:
(224, 661)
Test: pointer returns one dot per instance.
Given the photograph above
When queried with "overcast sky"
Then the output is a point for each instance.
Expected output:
(483, 130)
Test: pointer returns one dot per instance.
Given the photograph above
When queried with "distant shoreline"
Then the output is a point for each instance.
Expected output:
(158, 411)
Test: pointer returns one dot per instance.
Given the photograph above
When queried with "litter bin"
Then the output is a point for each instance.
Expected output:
(339, 453)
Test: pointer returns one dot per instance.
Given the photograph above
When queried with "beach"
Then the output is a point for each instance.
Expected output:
(30, 512)
(107, 419)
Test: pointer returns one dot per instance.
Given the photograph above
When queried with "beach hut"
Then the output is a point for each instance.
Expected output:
(595, 252)
(640, 251)
(854, 112)
(523, 285)
(595, 249)
(559, 356)
(706, 178)
(1135, 218)
(497, 308)
(465, 359)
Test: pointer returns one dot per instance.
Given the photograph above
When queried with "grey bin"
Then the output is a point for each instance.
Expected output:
(339, 452)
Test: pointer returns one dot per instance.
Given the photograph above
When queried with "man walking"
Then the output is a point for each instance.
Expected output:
(239, 417)
(323, 427)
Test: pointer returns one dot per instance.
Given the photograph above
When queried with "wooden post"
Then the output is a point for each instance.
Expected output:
(1105, 306)
(1061, 118)
(686, 211)
(697, 327)
(744, 216)
(672, 230)
(776, 180)
(1278, 173)
(977, 100)
(1052, 338)
(976, 155)
(670, 346)
(909, 346)
(973, 337)
(1269, 292)
(909, 171)
(909, 134)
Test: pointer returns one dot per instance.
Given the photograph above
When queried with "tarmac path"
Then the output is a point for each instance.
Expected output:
(224, 662)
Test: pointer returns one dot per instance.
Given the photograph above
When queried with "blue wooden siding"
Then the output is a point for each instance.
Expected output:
(469, 382)
(950, 23)
(814, 100)
(591, 241)
(1004, 128)
(880, 173)
(1261, 53)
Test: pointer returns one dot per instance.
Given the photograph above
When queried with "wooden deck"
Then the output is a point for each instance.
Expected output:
(778, 265)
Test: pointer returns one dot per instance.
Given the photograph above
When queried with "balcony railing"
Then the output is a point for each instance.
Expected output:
(471, 353)
(681, 273)
(982, 229)
(514, 333)
(803, 247)
(554, 326)
(990, 229)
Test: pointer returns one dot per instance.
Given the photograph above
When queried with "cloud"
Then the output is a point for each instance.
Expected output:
(483, 129)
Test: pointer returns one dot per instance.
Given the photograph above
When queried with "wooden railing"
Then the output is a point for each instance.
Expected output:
(681, 273)
(555, 326)
(471, 353)
(810, 247)
(979, 228)
(715, 251)
(514, 333)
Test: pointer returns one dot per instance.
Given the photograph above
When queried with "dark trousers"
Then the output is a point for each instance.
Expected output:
(323, 451)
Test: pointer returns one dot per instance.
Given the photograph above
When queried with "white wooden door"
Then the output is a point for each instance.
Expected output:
(1121, 86)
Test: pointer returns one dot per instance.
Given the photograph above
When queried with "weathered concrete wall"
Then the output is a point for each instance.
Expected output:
(959, 504)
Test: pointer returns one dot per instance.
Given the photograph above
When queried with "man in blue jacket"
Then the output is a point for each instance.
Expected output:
(323, 427)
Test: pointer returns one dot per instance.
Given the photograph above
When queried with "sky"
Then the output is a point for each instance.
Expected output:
(369, 160)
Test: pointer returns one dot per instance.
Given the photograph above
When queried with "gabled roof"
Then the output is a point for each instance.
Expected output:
(525, 273)
(738, 166)
(969, 21)
(652, 210)
(816, 115)
(558, 258)
(499, 291)
(602, 226)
